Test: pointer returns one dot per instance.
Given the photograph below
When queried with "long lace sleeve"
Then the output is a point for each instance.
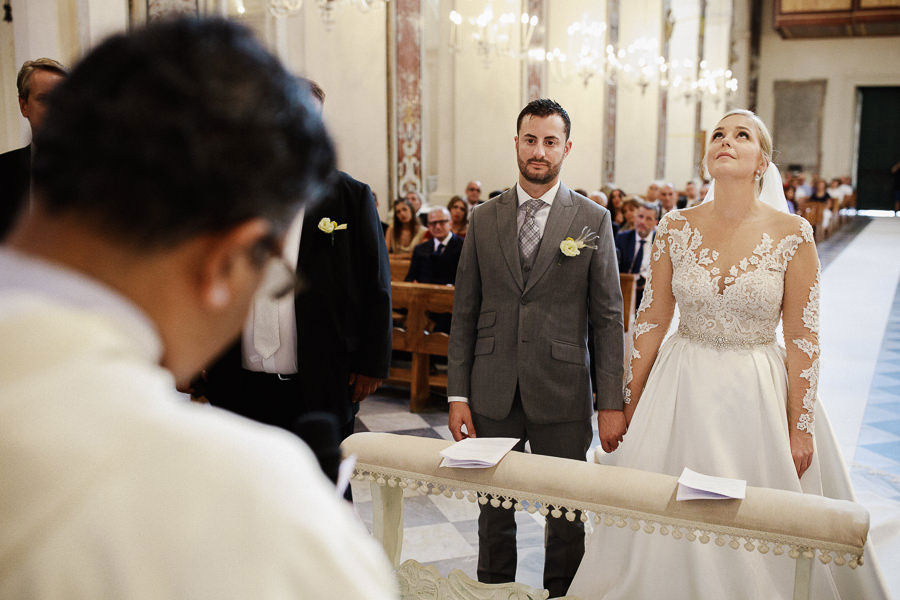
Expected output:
(800, 313)
(653, 315)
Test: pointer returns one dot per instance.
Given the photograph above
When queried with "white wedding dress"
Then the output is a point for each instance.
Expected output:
(720, 396)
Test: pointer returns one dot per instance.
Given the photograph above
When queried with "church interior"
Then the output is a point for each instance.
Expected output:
(422, 95)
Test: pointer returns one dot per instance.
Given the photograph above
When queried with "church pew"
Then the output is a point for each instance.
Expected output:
(399, 268)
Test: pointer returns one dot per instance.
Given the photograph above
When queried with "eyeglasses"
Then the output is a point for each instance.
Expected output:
(279, 280)
(430, 223)
(473, 189)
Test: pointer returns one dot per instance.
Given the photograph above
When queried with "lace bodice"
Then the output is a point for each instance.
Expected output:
(734, 310)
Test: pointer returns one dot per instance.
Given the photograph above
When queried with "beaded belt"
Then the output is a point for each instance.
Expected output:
(720, 342)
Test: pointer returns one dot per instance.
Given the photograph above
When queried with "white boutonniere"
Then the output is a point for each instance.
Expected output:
(570, 247)
(328, 226)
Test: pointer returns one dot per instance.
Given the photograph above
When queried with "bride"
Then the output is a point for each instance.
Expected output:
(720, 396)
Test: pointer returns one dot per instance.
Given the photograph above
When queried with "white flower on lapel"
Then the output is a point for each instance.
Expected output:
(572, 247)
(328, 226)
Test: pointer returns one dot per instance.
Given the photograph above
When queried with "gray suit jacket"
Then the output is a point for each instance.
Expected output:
(506, 332)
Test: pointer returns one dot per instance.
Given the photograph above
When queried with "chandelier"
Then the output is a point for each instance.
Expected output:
(284, 8)
(492, 34)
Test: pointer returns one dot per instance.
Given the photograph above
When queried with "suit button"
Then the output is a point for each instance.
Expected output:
(524, 301)
(527, 268)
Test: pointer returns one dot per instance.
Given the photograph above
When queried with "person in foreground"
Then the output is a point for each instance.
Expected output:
(170, 163)
(720, 396)
(518, 359)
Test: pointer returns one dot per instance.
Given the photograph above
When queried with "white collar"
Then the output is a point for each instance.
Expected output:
(20, 272)
(547, 197)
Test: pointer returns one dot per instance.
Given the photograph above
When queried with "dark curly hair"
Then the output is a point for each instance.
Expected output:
(544, 107)
(183, 127)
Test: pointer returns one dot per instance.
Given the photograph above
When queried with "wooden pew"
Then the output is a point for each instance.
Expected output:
(419, 299)
(812, 212)
(399, 268)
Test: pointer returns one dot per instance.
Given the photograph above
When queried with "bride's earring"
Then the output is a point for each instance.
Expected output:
(756, 176)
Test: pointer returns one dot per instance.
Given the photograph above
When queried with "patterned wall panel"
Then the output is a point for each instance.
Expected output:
(163, 9)
(536, 70)
(408, 94)
(609, 101)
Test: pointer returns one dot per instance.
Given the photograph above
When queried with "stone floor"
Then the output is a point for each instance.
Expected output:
(860, 388)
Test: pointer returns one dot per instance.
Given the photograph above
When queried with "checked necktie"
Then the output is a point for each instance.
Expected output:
(529, 234)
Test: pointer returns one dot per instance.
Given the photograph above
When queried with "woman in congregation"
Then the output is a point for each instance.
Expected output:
(616, 197)
(405, 233)
(721, 395)
(629, 211)
(459, 216)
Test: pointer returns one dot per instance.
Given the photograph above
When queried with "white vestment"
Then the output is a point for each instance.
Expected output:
(114, 487)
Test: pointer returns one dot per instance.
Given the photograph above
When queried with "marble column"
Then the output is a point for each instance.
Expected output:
(609, 102)
(536, 70)
(699, 142)
(164, 9)
(665, 35)
(405, 36)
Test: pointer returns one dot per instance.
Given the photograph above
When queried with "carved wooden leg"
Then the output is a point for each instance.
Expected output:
(387, 520)
(802, 577)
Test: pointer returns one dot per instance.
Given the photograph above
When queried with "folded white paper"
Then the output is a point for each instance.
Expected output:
(477, 453)
(697, 486)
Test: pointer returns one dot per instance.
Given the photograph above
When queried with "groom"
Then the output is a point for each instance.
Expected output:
(518, 359)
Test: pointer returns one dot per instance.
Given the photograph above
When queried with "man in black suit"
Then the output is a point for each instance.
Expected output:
(435, 260)
(330, 347)
(634, 246)
(35, 81)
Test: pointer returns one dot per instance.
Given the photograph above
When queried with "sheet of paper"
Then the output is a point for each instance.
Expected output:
(697, 486)
(477, 453)
(345, 472)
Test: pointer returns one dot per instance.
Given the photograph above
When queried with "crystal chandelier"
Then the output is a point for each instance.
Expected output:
(284, 8)
(492, 34)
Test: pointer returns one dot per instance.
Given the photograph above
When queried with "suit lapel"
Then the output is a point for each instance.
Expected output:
(507, 205)
(562, 212)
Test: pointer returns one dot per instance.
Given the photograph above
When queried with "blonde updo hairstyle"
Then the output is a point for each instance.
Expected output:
(762, 134)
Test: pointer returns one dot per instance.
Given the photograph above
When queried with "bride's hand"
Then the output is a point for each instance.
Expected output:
(801, 451)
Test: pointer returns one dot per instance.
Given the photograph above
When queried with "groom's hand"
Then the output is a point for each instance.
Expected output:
(610, 428)
(460, 415)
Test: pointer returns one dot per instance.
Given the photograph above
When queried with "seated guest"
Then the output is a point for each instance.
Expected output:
(820, 194)
(634, 247)
(616, 197)
(384, 226)
(652, 194)
(35, 81)
(691, 194)
(667, 199)
(789, 195)
(629, 210)
(115, 288)
(405, 233)
(459, 216)
(473, 194)
(420, 207)
(435, 261)
(599, 197)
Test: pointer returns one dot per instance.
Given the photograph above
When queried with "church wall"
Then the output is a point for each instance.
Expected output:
(681, 106)
(637, 108)
(845, 63)
(349, 62)
(582, 100)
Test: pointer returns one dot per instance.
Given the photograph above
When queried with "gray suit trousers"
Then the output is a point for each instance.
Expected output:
(564, 541)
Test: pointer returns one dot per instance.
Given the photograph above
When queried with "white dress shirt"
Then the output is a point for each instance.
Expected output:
(115, 487)
(284, 360)
(540, 219)
(644, 270)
